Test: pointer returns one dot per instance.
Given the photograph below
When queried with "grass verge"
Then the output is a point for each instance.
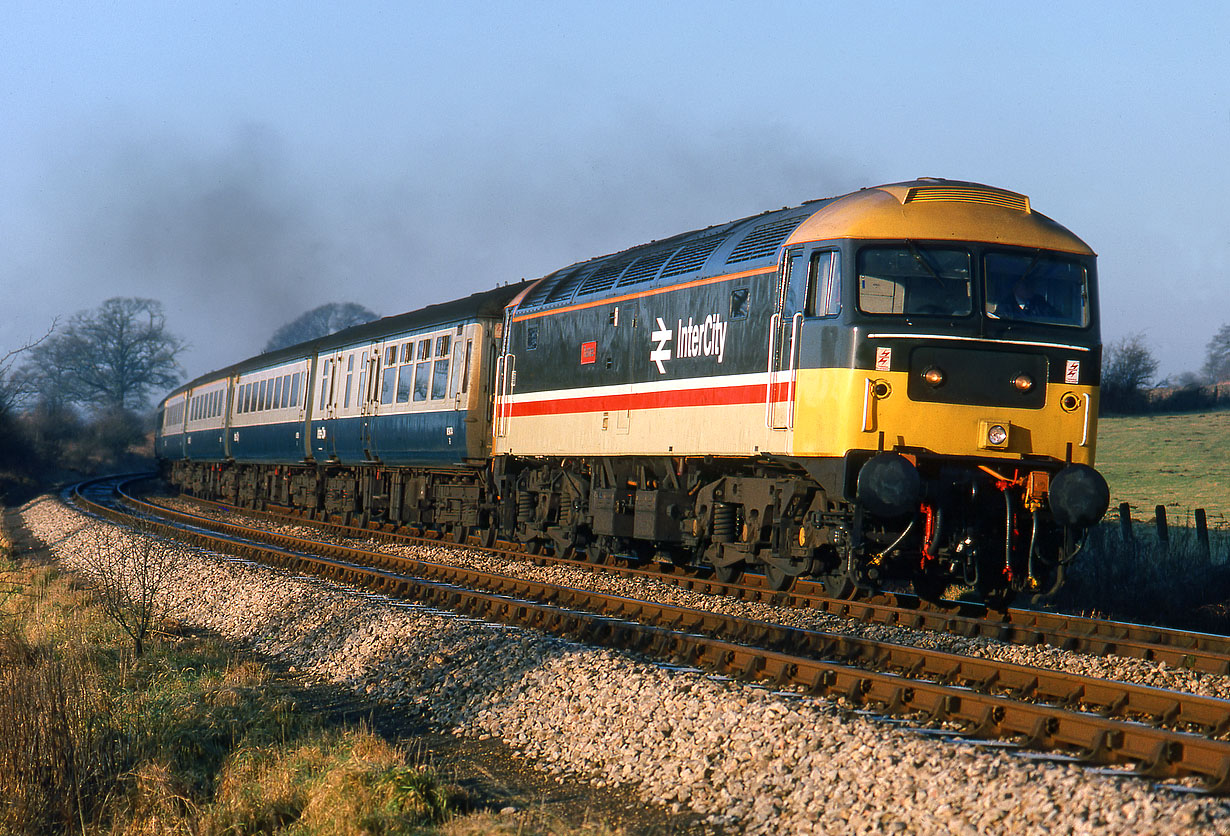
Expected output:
(189, 738)
(1180, 461)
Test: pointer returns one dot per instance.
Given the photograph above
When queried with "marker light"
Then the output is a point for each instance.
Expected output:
(934, 377)
(1023, 382)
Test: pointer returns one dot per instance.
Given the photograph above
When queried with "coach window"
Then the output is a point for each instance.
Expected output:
(349, 382)
(422, 374)
(439, 375)
(405, 381)
(824, 284)
(324, 384)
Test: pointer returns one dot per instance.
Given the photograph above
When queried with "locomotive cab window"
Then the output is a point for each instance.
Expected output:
(914, 280)
(823, 284)
(1036, 287)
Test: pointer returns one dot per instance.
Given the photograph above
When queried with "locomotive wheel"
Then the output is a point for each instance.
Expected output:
(777, 578)
(998, 600)
(838, 585)
(929, 587)
(460, 534)
(728, 574)
(598, 551)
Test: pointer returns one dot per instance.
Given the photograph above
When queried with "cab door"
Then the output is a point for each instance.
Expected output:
(784, 331)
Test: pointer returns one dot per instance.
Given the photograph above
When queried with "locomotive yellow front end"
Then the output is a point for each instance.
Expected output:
(941, 352)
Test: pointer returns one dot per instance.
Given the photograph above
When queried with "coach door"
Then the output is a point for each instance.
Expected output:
(784, 327)
(369, 378)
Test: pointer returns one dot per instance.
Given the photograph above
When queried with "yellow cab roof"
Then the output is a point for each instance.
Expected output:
(935, 209)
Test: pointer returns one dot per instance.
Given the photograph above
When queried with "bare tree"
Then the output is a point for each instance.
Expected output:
(319, 322)
(16, 386)
(112, 357)
(1128, 368)
(132, 574)
(1217, 363)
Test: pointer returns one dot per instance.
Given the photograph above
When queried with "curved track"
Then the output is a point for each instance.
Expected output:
(1184, 649)
(1157, 733)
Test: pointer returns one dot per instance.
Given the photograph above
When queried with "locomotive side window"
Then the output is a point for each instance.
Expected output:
(914, 280)
(739, 299)
(1036, 287)
(824, 284)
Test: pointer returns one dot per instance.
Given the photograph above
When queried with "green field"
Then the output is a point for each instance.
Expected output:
(1180, 461)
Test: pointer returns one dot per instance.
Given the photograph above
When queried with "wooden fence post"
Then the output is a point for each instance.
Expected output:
(1202, 533)
(1125, 522)
(1163, 532)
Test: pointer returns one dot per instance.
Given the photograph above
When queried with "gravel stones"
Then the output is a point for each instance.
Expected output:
(750, 759)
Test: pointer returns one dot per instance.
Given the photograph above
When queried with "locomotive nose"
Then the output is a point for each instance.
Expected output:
(889, 485)
(1079, 496)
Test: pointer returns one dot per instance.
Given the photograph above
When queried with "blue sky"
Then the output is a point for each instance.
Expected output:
(245, 162)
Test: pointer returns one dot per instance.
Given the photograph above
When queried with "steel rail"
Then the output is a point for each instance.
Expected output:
(1096, 738)
(1203, 652)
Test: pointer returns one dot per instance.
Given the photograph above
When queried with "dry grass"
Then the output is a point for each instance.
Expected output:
(348, 782)
(189, 739)
(59, 747)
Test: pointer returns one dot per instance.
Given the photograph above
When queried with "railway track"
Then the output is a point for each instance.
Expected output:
(1183, 649)
(1155, 733)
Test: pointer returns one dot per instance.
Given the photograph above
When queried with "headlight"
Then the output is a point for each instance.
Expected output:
(997, 435)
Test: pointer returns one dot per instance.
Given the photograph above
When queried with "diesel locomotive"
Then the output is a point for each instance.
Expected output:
(897, 384)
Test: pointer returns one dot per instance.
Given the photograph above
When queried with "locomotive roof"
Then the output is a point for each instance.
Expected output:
(485, 304)
(926, 209)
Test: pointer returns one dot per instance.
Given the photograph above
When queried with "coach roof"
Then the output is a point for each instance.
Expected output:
(485, 304)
